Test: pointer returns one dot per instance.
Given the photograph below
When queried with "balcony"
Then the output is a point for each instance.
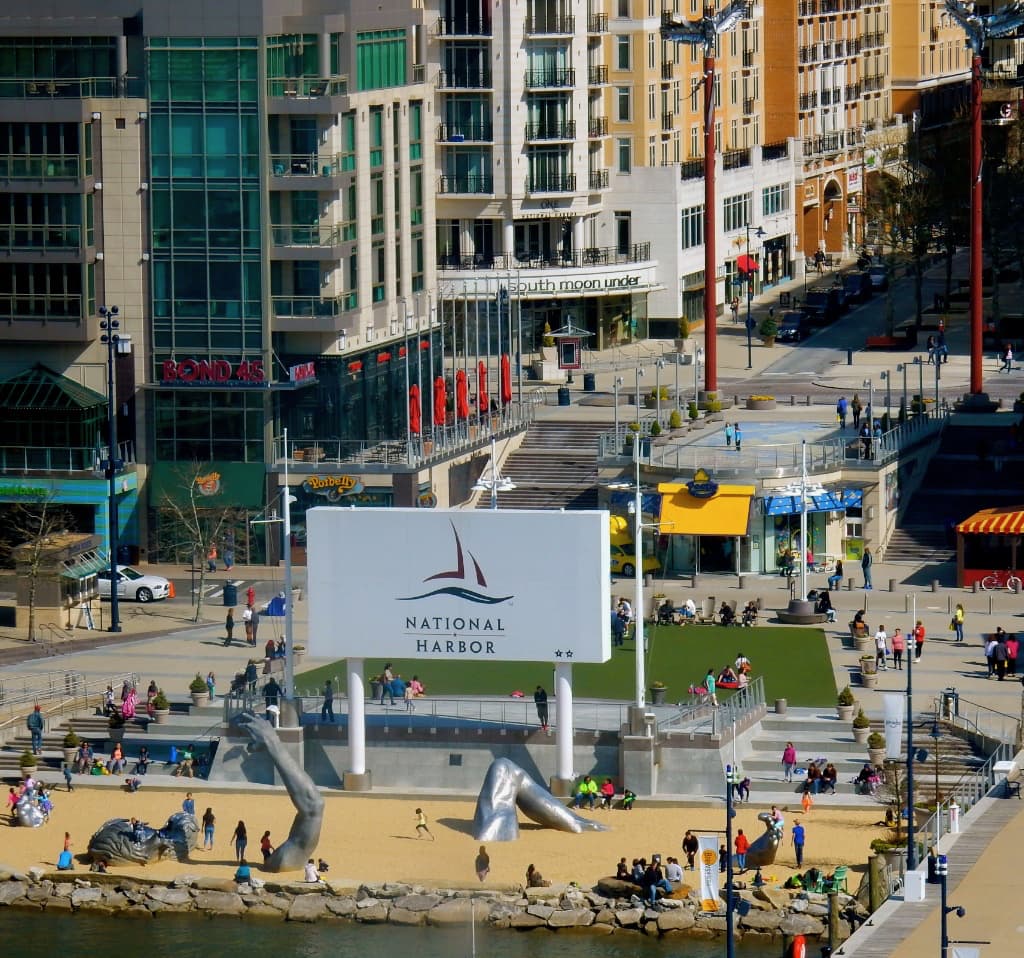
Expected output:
(735, 159)
(667, 70)
(870, 41)
(550, 26)
(466, 184)
(597, 127)
(826, 97)
(691, 170)
(17, 237)
(808, 101)
(852, 92)
(667, 122)
(463, 26)
(597, 75)
(870, 84)
(76, 89)
(598, 180)
(749, 106)
(554, 259)
(315, 241)
(597, 23)
(39, 166)
(557, 79)
(292, 307)
(748, 59)
(306, 96)
(565, 183)
(307, 171)
(546, 132)
(464, 80)
(771, 152)
(807, 8)
(472, 131)
(54, 317)
(809, 53)
(23, 459)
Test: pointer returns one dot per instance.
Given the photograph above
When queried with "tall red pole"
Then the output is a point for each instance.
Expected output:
(710, 278)
(976, 231)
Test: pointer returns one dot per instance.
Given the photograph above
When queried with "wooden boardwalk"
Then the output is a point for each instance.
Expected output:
(891, 925)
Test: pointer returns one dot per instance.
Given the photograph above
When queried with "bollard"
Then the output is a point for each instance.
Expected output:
(741, 581)
(906, 604)
(849, 584)
(792, 400)
(949, 605)
(974, 586)
(990, 605)
(781, 706)
(935, 585)
(892, 585)
(849, 357)
(807, 400)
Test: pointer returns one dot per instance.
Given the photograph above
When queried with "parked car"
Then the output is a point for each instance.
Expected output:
(132, 584)
(858, 286)
(879, 277)
(624, 561)
(794, 326)
(822, 305)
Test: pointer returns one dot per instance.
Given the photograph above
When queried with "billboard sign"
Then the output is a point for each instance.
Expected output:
(522, 586)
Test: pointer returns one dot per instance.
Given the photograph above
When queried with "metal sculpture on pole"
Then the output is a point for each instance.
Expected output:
(705, 32)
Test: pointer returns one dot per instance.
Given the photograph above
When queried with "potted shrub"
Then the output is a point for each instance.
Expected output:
(658, 691)
(675, 420)
(876, 748)
(655, 428)
(71, 743)
(684, 334)
(861, 728)
(28, 764)
(844, 704)
(692, 411)
(868, 671)
(864, 643)
(161, 707)
(760, 402)
(298, 653)
(768, 330)
(199, 689)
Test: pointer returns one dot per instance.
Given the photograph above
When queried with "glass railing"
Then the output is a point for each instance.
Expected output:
(313, 235)
(468, 183)
(42, 306)
(14, 236)
(304, 164)
(19, 459)
(39, 166)
(554, 259)
(73, 89)
(308, 87)
(298, 306)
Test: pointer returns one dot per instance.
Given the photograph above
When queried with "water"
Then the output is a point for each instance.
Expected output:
(189, 937)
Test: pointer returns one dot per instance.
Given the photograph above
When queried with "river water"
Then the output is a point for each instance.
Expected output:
(82, 936)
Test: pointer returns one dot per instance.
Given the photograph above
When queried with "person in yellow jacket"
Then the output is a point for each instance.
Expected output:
(586, 791)
(958, 622)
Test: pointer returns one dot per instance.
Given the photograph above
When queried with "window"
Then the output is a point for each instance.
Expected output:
(416, 130)
(652, 104)
(775, 199)
(379, 264)
(623, 57)
(652, 150)
(623, 105)
(735, 212)
(623, 232)
(376, 136)
(624, 154)
(380, 59)
(622, 8)
(651, 51)
(693, 226)
(694, 141)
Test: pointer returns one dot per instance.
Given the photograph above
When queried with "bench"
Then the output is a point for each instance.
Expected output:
(801, 618)
(1011, 788)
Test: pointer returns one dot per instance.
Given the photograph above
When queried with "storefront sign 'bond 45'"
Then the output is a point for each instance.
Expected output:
(204, 372)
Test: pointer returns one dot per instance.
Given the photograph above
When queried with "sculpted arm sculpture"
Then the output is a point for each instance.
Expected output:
(507, 786)
(304, 835)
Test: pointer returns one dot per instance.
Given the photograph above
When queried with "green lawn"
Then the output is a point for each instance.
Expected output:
(794, 662)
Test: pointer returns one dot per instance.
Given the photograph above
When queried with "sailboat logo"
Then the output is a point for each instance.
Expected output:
(458, 576)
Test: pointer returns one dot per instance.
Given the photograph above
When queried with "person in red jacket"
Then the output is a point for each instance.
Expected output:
(741, 844)
(918, 640)
(607, 793)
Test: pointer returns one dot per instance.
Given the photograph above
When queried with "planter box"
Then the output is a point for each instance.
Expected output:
(760, 404)
(860, 735)
(658, 696)
(876, 756)
(160, 716)
(845, 712)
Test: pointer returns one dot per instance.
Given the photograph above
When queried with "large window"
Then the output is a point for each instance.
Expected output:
(202, 426)
(775, 199)
(623, 53)
(735, 212)
(624, 154)
(50, 58)
(623, 104)
(380, 59)
(693, 226)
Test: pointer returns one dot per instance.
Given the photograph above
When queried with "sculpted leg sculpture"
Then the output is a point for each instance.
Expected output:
(506, 786)
(764, 849)
(298, 848)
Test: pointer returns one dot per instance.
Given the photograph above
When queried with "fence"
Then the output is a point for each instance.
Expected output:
(57, 692)
(700, 717)
(970, 716)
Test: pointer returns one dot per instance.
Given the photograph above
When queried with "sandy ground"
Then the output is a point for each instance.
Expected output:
(374, 839)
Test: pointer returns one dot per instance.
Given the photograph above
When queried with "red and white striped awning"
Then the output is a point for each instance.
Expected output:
(1007, 521)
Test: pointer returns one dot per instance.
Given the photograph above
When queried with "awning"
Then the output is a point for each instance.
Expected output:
(833, 500)
(1007, 521)
(726, 513)
(84, 565)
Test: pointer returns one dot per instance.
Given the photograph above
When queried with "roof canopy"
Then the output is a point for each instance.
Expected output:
(1004, 521)
(724, 513)
(42, 388)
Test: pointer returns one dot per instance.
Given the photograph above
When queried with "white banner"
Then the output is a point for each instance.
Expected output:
(710, 871)
(894, 705)
(959, 951)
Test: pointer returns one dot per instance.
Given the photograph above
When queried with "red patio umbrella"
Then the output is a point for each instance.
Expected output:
(461, 395)
(414, 410)
(505, 380)
(440, 400)
(481, 388)
(746, 264)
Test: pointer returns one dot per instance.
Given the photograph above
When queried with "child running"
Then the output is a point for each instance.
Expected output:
(421, 825)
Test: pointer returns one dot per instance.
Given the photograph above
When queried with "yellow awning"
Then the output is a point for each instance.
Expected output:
(726, 513)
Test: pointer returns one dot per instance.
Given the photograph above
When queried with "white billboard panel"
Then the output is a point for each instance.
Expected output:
(519, 586)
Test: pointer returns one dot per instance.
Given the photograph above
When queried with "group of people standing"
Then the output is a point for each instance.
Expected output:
(897, 645)
(1001, 654)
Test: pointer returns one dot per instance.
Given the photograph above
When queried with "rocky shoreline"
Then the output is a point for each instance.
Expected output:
(762, 914)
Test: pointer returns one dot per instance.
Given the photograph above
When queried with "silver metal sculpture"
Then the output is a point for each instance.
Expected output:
(30, 813)
(763, 850)
(304, 835)
(979, 28)
(706, 30)
(506, 787)
(117, 840)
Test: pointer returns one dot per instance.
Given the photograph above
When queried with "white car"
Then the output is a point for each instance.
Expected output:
(132, 584)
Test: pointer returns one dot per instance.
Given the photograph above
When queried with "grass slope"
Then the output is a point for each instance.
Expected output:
(794, 661)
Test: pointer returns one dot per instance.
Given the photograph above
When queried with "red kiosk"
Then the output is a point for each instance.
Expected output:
(988, 544)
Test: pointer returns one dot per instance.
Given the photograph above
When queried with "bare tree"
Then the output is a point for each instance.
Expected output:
(199, 526)
(33, 525)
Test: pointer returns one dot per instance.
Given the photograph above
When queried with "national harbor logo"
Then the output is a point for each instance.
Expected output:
(458, 575)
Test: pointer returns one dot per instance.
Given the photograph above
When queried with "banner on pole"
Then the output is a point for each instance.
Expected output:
(959, 951)
(894, 704)
(709, 872)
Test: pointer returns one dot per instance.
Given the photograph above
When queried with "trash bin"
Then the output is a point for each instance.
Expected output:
(563, 396)
(913, 886)
(230, 595)
(124, 554)
(781, 706)
(950, 703)
(589, 382)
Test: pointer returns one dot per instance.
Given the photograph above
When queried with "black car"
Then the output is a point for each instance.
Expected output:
(793, 326)
(822, 305)
(858, 286)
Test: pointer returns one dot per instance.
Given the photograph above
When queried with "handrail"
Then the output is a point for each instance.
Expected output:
(996, 727)
(60, 689)
(731, 711)
(56, 635)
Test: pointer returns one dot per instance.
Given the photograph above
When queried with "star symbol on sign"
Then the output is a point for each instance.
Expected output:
(568, 654)
(558, 653)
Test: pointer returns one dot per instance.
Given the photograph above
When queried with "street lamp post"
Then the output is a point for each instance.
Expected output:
(110, 324)
(911, 652)
(639, 375)
(938, 376)
(920, 380)
(942, 870)
(615, 389)
(658, 367)
(731, 778)
(491, 480)
(698, 358)
(869, 385)
(885, 375)
(902, 368)
(750, 296)
(638, 576)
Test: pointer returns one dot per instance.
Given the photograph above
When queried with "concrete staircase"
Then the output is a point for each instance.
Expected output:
(919, 543)
(554, 468)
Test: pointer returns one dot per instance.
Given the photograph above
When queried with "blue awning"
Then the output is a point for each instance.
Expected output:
(834, 500)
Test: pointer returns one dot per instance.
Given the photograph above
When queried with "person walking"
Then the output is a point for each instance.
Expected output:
(788, 761)
(990, 649)
(999, 658)
(229, 626)
(34, 723)
(728, 435)
(866, 561)
(855, 410)
(1012, 648)
(958, 622)
(798, 843)
(709, 684)
(742, 844)
(266, 846)
(211, 685)
(255, 625)
(540, 700)
(734, 308)
(482, 865)
(386, 678)
(209, 820)
(899, 645)
(421, 825)
(881, 649)
(1007, 366)
(690, 848)
(919, 634)
(327, 711)
(66, 769)
(841, 409)
(241, 839)
(247, 623)
(738, 437)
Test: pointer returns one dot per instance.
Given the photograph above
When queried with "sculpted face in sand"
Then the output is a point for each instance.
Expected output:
(118, 841)
(506, 786)
(304, 835)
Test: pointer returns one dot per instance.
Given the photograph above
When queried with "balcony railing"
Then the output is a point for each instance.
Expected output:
(667, 122)
(564, 130)
(472, 131)
(63, 239)
(597, 126)
(463, 26)
(666, 70)
(80, 89)
(691, 170)
(464, 79)
(808, 101)
(775, 151)
(300, 306)
(305, 235)
(597, 23)
(565, 183)
(549, 79)
(735, 159)
(871, 40)
(304, 164)
(599, 179)
(852, 91)
(748, 58)
(551, 25)
(309, 88)
(871, 83)
(39, 166)
(466, 183)
(40, 307)
(20, 459)
(749, 106)
(552, 259)
(597, 75)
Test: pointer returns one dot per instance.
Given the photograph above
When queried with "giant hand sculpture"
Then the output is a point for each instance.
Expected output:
(298, 848)
(506, 786)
